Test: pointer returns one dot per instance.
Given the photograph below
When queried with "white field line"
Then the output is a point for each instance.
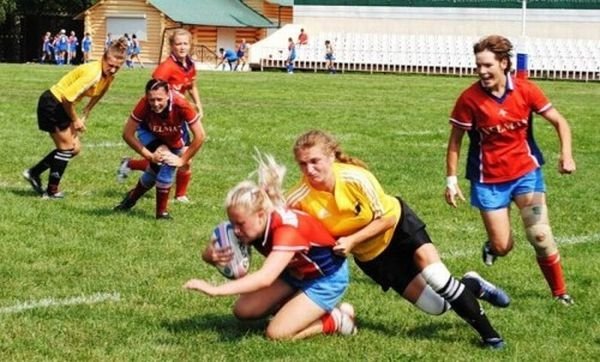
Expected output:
(105, 145)
(52, 302)
(567, 240)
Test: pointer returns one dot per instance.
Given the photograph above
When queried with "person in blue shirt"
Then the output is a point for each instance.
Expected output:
(227, 55)
(289, 62)
(86, 47)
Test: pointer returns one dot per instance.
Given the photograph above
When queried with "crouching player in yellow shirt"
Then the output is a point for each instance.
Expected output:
(57, 115)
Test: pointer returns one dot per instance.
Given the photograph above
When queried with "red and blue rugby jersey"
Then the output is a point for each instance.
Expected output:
(502, 147)
(167, 125)
(294, 230)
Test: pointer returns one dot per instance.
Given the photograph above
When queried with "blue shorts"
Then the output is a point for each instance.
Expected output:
(327, 291)
(489, 197)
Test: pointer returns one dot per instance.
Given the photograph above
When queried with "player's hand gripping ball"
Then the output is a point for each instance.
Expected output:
(239, 264)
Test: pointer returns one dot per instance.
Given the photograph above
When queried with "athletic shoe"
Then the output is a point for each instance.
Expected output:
(125, 205)
(494, 343)
(565, 299)
(53, 196)
(487, 254)
(164, 216)
(123, 170)
(34, 181)
(346, 325)
(488, 291)
(182, 199)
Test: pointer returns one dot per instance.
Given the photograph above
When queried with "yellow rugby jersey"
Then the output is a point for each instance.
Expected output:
(85, 80)
(357, 200)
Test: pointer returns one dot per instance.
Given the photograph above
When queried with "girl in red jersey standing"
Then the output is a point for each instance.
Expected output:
(179, 71)
(504, 162)
(301, 280)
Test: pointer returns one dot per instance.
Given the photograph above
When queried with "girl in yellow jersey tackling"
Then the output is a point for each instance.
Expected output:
(57, 114)
(386, 237)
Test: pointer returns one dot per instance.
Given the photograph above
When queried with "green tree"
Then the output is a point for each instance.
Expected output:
(40, 7)
(6, 7)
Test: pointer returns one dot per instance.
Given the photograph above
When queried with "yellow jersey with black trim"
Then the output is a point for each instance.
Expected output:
(85, 80)
(358, 199)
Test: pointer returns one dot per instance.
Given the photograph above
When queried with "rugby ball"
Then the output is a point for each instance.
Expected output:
(238, 266)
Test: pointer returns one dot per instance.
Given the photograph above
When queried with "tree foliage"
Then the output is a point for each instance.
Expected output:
(53, 7)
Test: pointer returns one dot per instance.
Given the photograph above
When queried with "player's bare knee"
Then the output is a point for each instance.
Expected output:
(537, 229)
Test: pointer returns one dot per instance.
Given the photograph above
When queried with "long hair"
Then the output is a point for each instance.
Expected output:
(497, 44)
(264, 195)
(328, 145)
(117, 48)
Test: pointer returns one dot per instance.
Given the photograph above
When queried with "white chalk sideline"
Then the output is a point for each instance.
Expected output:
(52, 302)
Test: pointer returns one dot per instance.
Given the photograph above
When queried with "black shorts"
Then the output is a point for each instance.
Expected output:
(51, 114)
(395, 266)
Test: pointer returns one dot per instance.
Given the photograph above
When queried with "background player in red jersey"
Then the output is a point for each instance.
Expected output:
(504, 163)
(180, 72)
(158, 119)
(301, 279)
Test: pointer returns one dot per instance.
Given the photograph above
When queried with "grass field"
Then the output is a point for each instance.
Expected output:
(80, 282)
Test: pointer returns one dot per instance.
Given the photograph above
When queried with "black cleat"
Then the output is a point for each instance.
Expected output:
(34, 181)
(164, 216)
(125, 205)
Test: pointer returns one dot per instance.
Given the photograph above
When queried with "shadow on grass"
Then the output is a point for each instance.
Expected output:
(227, 326)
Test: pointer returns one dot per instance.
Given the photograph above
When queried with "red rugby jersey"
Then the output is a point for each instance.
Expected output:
(502, 147)
(180, 76)
(294, 230)
(167, 125)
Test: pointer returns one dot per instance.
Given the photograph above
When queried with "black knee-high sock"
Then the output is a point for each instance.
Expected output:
(43, 165)
(465, 304)
(57, 168)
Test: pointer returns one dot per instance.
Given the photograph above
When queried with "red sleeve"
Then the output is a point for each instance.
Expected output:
(462, 115)
(140, 111)
(187, 112)
(162, 72)
(536, 98)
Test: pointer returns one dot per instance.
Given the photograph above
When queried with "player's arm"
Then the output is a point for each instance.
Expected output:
(92, 103)
(273, 266)
(196, 99)
(198, 132)
(130, 138)
(452, 155)
(566, 161)
(77, 123)
(379, 225)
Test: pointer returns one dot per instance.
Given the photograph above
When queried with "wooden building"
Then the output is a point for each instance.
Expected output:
(213, 23)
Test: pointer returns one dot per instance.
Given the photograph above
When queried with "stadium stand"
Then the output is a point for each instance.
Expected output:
(574, 59)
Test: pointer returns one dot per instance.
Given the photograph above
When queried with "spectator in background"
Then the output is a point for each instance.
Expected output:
(72, 43)
(302, 38)
(289, 62)
(135, 51)
(129, 51)
(329, 57)
(46, 47)
(62, 47)
(228, 56)
(241, 54)
(107, 41)
(86, 47)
